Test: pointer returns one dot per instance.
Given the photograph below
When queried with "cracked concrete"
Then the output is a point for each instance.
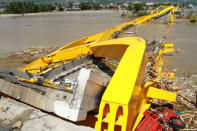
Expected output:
(32, 119)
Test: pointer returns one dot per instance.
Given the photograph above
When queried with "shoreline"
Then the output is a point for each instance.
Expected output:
(56, 13)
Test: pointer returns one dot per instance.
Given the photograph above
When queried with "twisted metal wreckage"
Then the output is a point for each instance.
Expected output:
(104, 71)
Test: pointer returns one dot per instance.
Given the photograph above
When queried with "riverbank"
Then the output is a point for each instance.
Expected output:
(19, 59)
(57, 13)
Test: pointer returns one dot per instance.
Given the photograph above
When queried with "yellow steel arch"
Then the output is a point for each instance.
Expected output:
(121, 96)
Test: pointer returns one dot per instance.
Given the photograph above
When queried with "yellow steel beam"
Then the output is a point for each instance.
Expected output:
(121, 100)
(161, 94)
(168, 45)
(168, 50)
(80, 42)
(40, 64)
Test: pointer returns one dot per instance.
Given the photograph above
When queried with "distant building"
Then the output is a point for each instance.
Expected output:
(76, 4)
(125, 4)
(136, 2)
(111, 4)
(149, 4)
(2, 9)
(73, 9)
(190, 6)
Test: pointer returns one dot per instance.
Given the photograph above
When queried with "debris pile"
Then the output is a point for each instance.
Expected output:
(185, 86)
(19, 59)
(33, 53)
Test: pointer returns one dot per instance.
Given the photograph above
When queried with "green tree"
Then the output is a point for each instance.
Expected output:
(96, 6)
(70, 5)
(60, 7)
(85, 5)
(137, 7)
(156, 5)
(27, 7)
(130, 7)
(36, 9)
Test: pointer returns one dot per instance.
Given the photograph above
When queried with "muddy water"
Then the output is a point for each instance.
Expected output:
(183, 35)
(19, 33)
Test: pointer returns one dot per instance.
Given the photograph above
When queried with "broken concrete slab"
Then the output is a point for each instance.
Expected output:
(72, 105)
(32, 119)
(12, 111)
(40, 121)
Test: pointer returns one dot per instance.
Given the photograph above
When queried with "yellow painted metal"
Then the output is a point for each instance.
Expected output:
(145, 104)
(119, 105)
(113, 48)
(161, 94)
(107, 34)
(169, 75)
(149, 91)
(81, 42)
(168, 45)
(45, 83)
(172, 17)
(40, 64)
(126, 74)
(166, 9)
(168, 50)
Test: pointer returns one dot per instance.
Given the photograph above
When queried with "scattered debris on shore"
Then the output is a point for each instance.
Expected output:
(186, 103)
(19, 59)
(32, 53)
(186, 88)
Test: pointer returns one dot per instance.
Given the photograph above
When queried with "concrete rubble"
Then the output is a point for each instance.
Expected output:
(72, 104)
(18, 116)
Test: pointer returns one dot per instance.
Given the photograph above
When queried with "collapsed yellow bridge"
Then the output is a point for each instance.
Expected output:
(127, 95)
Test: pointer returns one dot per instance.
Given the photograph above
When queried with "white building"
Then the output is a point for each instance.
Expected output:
(149, 4)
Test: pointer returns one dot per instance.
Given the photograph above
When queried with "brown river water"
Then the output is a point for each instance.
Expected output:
(183, 35)
(19, 33)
